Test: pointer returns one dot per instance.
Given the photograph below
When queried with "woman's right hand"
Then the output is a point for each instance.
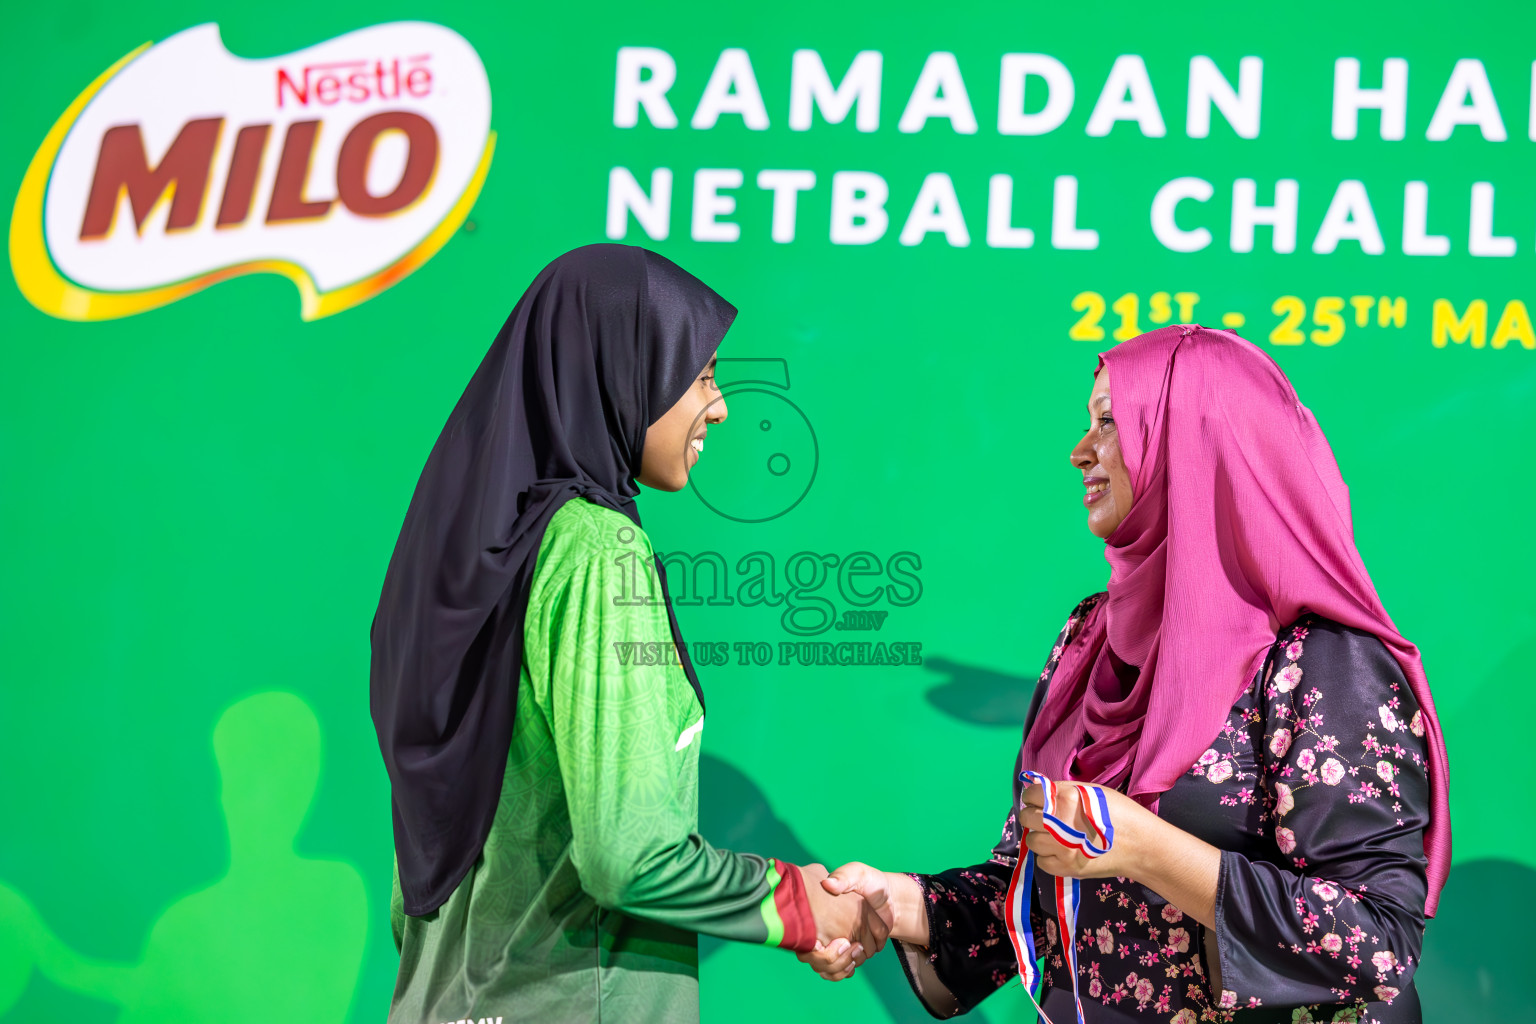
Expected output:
(836, 960)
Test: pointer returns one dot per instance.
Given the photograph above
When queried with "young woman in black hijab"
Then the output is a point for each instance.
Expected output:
(543, 760)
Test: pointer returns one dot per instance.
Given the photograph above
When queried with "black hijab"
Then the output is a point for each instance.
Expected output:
(603, 343)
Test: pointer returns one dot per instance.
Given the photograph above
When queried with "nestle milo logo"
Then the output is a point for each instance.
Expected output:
(342, 167)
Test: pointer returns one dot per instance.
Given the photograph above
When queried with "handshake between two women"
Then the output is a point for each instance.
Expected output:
(857, 908)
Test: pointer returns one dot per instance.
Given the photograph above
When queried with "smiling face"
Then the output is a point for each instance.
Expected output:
(1107, 482)
(674, 443)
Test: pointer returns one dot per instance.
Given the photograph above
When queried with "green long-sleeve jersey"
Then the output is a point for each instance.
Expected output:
(586, 902)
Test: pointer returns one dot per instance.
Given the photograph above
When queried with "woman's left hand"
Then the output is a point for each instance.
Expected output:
(1131, 821)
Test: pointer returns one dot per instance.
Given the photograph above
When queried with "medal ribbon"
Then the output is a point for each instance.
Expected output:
(1021, 887)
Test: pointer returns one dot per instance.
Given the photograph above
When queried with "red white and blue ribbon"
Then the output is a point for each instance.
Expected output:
(1068, 890)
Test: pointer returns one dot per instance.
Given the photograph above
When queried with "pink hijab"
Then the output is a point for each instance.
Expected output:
(1240, 524)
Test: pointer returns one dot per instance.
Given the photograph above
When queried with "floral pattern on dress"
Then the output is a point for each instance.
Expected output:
(1157, 947)
(1370, 773)
(1308, 758)
(1307, 932)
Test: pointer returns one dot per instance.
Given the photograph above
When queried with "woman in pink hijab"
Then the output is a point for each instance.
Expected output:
(1262, 738)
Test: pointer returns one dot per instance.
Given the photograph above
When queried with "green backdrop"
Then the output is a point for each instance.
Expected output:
(198, 502)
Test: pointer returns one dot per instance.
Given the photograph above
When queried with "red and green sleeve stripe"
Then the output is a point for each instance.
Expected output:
(787, 909)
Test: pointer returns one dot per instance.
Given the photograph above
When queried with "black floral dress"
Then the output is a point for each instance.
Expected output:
(1315, 791)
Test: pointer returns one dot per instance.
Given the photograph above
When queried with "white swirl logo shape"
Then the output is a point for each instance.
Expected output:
(343, 167)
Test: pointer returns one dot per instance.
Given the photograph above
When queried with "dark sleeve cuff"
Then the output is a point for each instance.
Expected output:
(919, 964)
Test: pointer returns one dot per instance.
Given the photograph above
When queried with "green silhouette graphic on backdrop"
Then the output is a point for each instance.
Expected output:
(279, 937)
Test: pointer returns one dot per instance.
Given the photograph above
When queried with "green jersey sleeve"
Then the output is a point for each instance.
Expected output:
(626, 725)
